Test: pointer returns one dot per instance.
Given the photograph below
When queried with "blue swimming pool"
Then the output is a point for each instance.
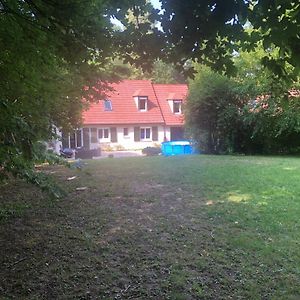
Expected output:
(176, 148)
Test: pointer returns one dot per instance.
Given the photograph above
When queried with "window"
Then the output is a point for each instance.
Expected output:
(79, 138)
(142, 104)
(72, 140)
(107, 105)
(103, 133)
(145, 133)
(177, 106)
(125, 132)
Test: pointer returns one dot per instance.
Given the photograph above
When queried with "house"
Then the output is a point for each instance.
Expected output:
(135, 115)
(170, 98)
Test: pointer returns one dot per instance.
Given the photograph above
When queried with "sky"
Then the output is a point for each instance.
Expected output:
(156, 4)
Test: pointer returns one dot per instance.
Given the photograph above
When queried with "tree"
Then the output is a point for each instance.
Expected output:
(163, 72)
(273, 123)
(213, 111)
(253, 112)
(272, 116)
(140, 38)
(49, 51)
(212, 31)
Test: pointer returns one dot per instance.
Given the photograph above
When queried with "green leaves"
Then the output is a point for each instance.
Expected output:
(50, 50)
(212, 111)
(211, 32)
(254, 112)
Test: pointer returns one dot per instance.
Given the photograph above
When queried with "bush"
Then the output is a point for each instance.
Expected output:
(151, 151)
(107, 148)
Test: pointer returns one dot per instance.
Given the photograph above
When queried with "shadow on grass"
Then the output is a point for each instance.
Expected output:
(198, 227)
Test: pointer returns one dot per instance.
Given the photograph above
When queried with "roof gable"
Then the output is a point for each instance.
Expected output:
(165, 92)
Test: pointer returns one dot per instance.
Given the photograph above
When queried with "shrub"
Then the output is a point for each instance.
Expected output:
(107, 148)
(151, 151)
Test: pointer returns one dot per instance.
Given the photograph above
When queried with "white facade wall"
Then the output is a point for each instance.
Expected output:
(168, 133)
(123, 142)
(58, 143)
(55, 144)
(128, 142)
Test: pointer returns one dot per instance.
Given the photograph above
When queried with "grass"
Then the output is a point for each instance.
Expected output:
(197, 227)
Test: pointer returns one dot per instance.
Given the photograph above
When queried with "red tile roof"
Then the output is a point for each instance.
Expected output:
(165, 92)
(124, 109)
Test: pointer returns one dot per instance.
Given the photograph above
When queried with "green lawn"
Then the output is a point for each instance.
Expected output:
(197, 227)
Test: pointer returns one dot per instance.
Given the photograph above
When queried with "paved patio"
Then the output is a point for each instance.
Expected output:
(118, 154)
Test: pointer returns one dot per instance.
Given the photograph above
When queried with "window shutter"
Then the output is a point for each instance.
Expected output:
(137, 134)
(113, 135)
(155, 133)
(100, 133)
(94, 137)
(86, 138)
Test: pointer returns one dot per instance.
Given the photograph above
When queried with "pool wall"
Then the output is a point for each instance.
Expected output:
(176, 148)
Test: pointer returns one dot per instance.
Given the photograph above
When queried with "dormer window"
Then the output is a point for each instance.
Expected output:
(107, 105)
(177, 106)
(142, 103)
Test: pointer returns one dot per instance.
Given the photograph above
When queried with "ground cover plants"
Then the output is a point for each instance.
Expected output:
(194, 227)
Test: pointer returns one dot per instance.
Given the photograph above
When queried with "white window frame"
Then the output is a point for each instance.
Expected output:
(104, 139)
(145, 131)
(180, 106)
(145, 98)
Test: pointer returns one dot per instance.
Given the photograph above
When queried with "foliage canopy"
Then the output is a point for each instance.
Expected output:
(243, 114)
(211, 31)
(49, 51)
